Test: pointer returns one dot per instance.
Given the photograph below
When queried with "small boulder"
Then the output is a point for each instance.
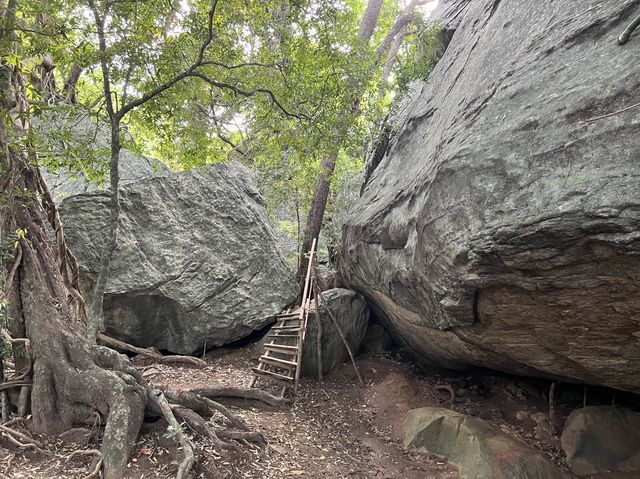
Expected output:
(352, 315)
(598, 439)
(480, 450)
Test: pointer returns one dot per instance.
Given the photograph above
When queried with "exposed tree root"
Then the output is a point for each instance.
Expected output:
(246, 394)
(201, 427)
(96, 470)
(157, 398)
(204, 405)
(83, 452)
(116, 344)
(10, 435)
(27, 348)
(97, 464)
(18, 435)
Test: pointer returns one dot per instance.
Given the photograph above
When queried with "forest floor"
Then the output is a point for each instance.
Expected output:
(335, 429)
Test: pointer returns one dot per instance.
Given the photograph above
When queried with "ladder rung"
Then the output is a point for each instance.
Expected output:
(281, 348)
(281, 363)
(286, 328)
(271, 374)
(276, 335)
(289, 315)
(296, 318)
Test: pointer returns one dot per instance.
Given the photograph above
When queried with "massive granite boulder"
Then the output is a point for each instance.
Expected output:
(196, 262)
(501, 228)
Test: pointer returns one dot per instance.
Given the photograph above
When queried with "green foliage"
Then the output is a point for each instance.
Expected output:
(306, 54)
(418, 55)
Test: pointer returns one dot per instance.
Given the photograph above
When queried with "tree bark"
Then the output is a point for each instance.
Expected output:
(316, 213)
(72, 380)
(393, 53)
(96, 314)
(328, 164)
(369, 20)
(70, 84)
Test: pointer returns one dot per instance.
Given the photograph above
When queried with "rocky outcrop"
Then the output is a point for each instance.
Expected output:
(196, 262)
(480, 450)
(351, 313)
(502, 227)
(599, 439)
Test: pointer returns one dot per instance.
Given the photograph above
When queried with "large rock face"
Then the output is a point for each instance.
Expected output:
(196, 261)
(501, 230)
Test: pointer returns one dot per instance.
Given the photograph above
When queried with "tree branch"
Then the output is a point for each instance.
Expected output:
(248, 93)
(126, 108)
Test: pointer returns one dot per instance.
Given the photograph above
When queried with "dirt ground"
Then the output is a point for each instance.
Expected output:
(335, 429)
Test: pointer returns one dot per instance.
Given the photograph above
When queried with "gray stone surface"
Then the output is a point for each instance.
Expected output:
(501, 230)
(479, 450)
(352, 315)
(196, 260)
(599, 439)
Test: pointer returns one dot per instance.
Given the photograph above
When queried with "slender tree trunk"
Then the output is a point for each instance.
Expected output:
(70, 84)
(369, 20)
(316, 213)
(393, 54)
(328, 164)
(96, 314)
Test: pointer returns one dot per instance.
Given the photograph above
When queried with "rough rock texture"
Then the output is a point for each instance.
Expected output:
(352, 315)
(501, 230)
(477, 448)
(598, 439)
(196, 262)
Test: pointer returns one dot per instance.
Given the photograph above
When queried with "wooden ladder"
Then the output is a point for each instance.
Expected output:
(283, 350)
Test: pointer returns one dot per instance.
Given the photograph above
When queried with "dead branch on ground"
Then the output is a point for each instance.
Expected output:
(117, 344)
(251, 394)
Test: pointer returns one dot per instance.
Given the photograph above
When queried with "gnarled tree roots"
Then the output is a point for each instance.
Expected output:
(98, 380)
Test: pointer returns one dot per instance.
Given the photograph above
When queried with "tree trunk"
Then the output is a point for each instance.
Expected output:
(96, 315)
(316, 213)
(328, 165)
(369, 20)
(393, 54)
(73, 381)
(70, 84)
